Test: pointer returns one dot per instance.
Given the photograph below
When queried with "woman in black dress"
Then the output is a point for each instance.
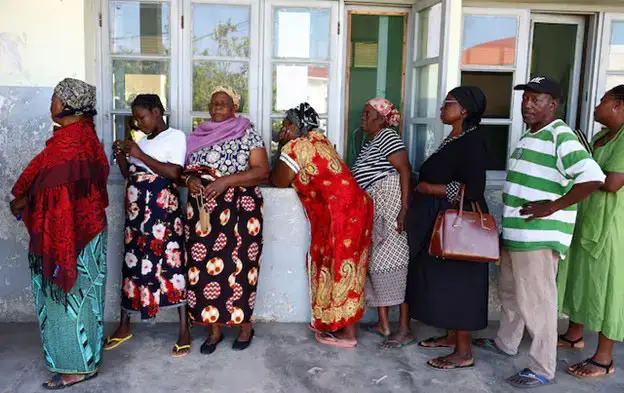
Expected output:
(449, 294)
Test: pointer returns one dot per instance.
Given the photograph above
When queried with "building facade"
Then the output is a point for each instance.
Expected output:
(334, 54)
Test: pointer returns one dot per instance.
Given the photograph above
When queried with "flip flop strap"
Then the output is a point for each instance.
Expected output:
(526, 373)
(434, 340)
(591, 361)
(571, 342)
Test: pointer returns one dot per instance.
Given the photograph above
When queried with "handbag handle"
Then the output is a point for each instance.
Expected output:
(457, 221)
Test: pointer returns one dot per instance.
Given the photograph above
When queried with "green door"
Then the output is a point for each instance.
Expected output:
(376, 69)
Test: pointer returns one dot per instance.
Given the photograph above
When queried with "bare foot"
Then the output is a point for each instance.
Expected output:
(452, 361)
(591, 369)
(59, 380)
(343, 335)
(438, 342)
(245, 333)
(569, 341)
(378, 329)
(398, 340)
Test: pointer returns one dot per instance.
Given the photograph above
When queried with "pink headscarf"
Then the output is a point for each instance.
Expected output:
(386, 109)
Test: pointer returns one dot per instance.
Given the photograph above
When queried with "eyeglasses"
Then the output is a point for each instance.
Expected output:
(449, 102)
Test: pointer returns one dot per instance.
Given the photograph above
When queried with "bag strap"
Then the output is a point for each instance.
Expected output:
(457, 221)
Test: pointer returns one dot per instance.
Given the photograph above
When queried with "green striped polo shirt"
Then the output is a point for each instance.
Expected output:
(544, 166)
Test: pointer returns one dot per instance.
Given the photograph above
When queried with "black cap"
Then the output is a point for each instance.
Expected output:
(542, 84)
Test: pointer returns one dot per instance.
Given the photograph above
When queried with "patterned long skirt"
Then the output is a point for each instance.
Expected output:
(389, 255)
(153, 271)
(338, 259)
(72, 334)
(223, 255)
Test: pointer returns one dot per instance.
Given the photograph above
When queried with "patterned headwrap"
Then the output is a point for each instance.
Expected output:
(77, 96)
(236, 98)
(386, 109)
(304, 117)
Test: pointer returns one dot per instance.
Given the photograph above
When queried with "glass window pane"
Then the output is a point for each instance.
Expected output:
(616, 47)
(124, 127)
(420, 144)
(294, 84)
(139, 28)
(207, 75)
(496, 139)
(614, 80)
(220, 30)
(489, 40)
(301, 33)
(426, 91)
(430, 23)
(198, 120)
(497, 87)
(276, 126)
(133, 77)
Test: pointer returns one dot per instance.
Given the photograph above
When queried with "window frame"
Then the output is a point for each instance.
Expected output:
(332, 62)
(605, 46)
(189, 58)
(447, 61)
(520, 70)
(105, 57)
(180, 78)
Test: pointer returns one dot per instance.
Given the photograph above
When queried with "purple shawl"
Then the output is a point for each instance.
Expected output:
(210, 133)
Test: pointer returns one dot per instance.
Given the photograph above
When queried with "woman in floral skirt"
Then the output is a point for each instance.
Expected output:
(153, 271)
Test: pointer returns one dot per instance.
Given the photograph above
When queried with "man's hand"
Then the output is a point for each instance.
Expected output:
(538, 210)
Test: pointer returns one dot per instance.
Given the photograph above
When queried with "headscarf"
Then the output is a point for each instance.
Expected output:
(304, 117)
(386, 109)
(77, 96)
(65, 191)
(234, 95)
(473, 100)
(210, 133)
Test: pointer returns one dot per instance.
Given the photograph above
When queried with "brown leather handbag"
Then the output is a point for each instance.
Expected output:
(470, 236)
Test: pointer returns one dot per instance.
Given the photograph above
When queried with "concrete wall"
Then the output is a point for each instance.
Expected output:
(38, 49)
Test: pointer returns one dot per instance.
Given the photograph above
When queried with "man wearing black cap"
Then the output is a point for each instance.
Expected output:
(549, 172)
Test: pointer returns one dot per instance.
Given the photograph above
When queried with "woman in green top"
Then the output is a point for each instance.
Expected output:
(591, 282)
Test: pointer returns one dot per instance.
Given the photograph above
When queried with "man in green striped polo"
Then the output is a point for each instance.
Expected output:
(549, 172)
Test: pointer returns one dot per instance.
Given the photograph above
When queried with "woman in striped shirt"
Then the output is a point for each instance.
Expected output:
(383, 170)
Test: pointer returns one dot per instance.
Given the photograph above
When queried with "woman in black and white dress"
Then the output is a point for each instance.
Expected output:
(382, 169)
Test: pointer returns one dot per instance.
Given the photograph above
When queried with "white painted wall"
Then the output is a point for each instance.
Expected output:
(41, 42)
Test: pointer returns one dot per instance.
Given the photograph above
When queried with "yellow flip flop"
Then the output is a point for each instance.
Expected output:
(114, 342)
(177, 348)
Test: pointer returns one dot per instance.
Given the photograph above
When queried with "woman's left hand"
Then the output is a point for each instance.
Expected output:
(17, 206)
(401, 220)
(216, 188)
(131, 148)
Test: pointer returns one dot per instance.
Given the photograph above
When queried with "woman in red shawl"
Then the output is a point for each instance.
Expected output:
(341, 218)
(61, 197)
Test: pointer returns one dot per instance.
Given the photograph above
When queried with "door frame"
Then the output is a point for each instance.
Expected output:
(350, 10)
(574, 89)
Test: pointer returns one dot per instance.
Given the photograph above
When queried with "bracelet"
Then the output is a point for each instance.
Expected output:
(187, 179)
